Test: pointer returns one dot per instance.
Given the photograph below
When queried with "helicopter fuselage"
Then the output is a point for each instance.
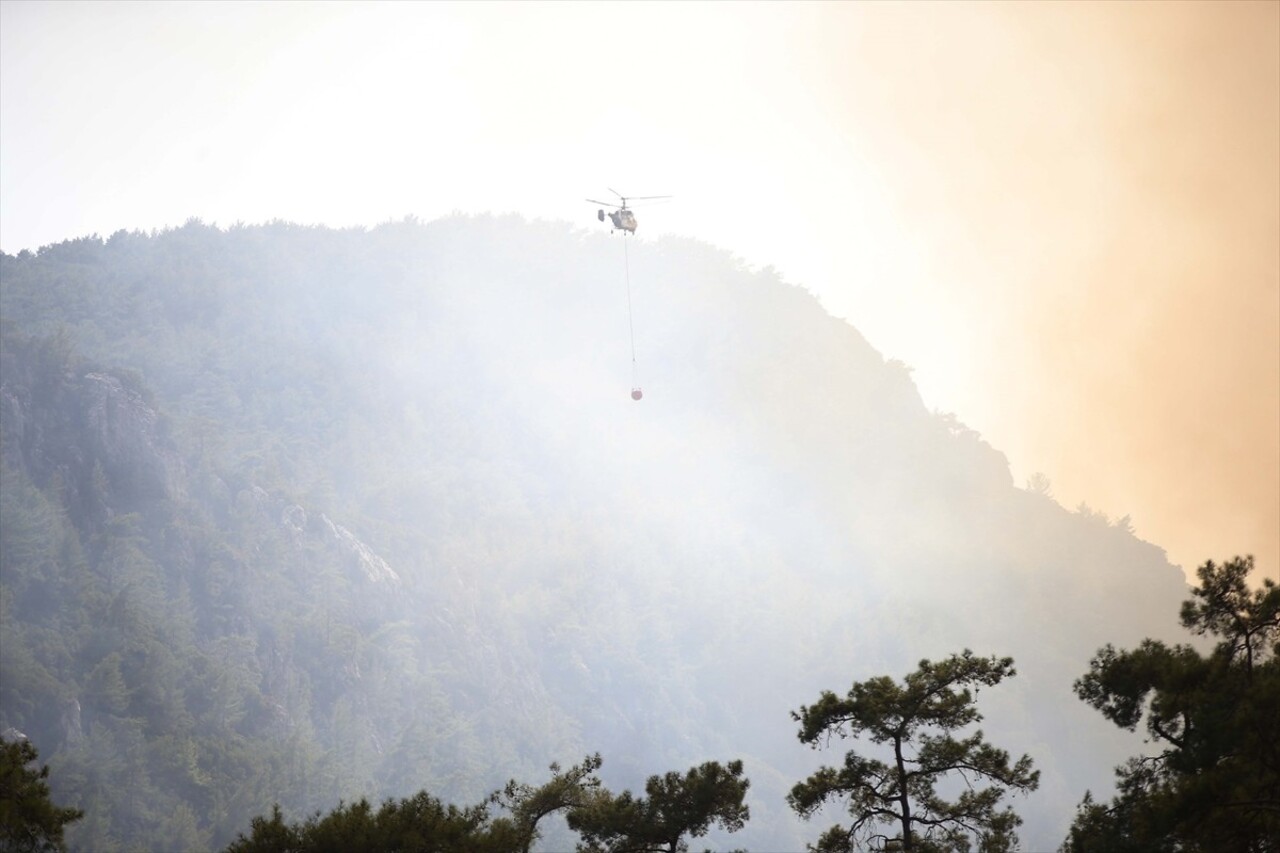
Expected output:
(623, 219)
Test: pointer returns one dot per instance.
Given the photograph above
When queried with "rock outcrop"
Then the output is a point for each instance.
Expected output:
(316, 530)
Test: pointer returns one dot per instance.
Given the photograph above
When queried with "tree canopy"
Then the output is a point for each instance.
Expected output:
(896, 804)
(565, 791)
(29, 819)
(1214, 783)
(417, 824)
(677, 805)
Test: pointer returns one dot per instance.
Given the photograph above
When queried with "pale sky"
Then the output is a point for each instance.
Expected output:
(1064, 217)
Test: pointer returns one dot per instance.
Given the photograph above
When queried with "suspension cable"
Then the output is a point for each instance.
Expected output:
(630, 323)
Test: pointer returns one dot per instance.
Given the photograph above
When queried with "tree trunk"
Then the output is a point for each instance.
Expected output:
(908, 844)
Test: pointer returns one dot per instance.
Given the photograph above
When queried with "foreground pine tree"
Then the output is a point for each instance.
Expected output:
(29, 820)
(894, 804)
(1214, 785)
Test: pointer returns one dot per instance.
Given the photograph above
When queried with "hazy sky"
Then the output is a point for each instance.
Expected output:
(1065, 217)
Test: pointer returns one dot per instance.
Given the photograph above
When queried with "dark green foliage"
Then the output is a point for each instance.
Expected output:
(418, 824)
(566, 791)
(896, 804)
(29, 820)
(1214, 782)
(676, 806)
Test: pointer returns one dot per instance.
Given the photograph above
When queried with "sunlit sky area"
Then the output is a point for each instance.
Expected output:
(1065, 217)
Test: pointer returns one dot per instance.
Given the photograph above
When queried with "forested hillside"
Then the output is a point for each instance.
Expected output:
(293, 514)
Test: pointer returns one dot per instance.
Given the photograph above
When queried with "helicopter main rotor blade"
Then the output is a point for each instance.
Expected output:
(647, 197)
(605, 203)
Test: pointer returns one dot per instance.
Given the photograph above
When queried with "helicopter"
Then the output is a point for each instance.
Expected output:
(622, 217)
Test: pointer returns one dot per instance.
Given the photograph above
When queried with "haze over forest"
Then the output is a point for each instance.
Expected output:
(294, 514)
(322, 478)
(1062, 216)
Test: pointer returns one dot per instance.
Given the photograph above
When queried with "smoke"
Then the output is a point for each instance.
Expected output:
(1100, 194)
(1063, 216)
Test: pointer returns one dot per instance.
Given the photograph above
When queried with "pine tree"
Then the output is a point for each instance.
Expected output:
(29, 819)
(894, 804)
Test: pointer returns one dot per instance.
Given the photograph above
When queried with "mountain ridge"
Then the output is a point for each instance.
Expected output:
(661, 581)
